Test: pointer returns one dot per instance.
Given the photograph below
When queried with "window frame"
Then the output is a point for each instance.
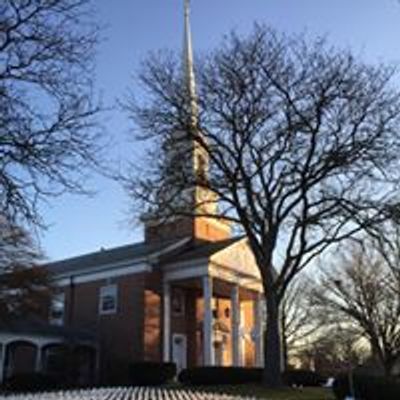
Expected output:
(110, 290)
(58, 299)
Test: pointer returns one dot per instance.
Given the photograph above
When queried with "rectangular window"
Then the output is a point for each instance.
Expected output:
(108, 299)
(57, 309)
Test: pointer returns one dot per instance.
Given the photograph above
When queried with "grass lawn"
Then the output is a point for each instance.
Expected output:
(268, 394)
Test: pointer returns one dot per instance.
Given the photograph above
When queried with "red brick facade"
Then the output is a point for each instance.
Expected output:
(200, 228)
(135, 331)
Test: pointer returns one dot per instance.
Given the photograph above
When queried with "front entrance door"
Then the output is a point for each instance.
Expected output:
(179, 350)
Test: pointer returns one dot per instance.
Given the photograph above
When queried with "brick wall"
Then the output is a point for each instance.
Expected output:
(134, 333)
(176, 229)
(152, 332)
(198, 228)
(120, 334)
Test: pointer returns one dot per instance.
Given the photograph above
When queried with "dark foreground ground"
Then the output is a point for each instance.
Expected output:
(267, 394)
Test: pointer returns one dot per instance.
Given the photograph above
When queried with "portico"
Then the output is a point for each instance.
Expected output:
(225, 305)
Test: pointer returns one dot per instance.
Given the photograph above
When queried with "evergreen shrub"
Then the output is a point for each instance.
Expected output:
(366, 387)
(148, 373)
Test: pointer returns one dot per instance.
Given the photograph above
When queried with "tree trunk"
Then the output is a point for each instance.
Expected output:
(388, 368)
(284, 340)
(273, 362)
(381, 357)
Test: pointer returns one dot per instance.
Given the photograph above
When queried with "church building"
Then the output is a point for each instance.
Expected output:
(190, 293)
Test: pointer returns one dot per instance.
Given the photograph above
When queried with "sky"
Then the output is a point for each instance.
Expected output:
(133, 28)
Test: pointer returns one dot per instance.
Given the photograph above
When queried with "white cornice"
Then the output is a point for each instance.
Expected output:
(105, 273)
(186, 273)
(179, 265)
(114, 270)
(37, 339)
(233, 276)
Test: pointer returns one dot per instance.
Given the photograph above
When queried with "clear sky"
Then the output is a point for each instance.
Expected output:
(135, 27)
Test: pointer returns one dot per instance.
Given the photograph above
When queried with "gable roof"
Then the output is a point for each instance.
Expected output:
(165, 251)
(134, 252)
(201, 249)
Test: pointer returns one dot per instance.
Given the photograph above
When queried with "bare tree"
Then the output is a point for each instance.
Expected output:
(364, 292)
(300, 144)
(48, 134)
(16, 247)
(313, 336)
(25, 287)
(300, 323)
(335, 349)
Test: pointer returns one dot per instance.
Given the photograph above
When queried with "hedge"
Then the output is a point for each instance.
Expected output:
(301, 377)
(240, 375)
(220, 375)
(367, 387)
(32, 382)
(148, 373)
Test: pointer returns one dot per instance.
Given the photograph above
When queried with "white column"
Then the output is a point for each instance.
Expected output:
(166, 321)
(258, 330)
(235, 319)
(208, 347)
(38, 361)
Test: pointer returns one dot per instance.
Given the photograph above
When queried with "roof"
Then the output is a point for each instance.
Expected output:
(35, 326)
(202, 249)
(130, 252)
(176, 250)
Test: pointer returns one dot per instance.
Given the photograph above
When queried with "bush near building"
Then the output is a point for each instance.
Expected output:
(366, 387)
(152, 373)
(32, 382)
(220, 375)
(240, 375)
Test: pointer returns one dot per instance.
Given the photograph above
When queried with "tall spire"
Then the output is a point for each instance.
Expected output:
(190, 81)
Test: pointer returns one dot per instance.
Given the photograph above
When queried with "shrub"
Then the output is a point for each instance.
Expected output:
(220, 375)
(238, 375)
(301, 377)
(151, 373)
(367, 387)
(115, 372)
(32, 382)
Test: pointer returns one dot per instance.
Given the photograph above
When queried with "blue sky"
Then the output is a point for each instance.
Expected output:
(135, 27)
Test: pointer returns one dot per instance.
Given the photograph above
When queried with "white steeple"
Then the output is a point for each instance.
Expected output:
(183, 151)
(188, 64)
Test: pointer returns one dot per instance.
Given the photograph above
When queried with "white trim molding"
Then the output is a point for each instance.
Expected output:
(235, 277)
(108, 295)
(186, 273)
(106, 272)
